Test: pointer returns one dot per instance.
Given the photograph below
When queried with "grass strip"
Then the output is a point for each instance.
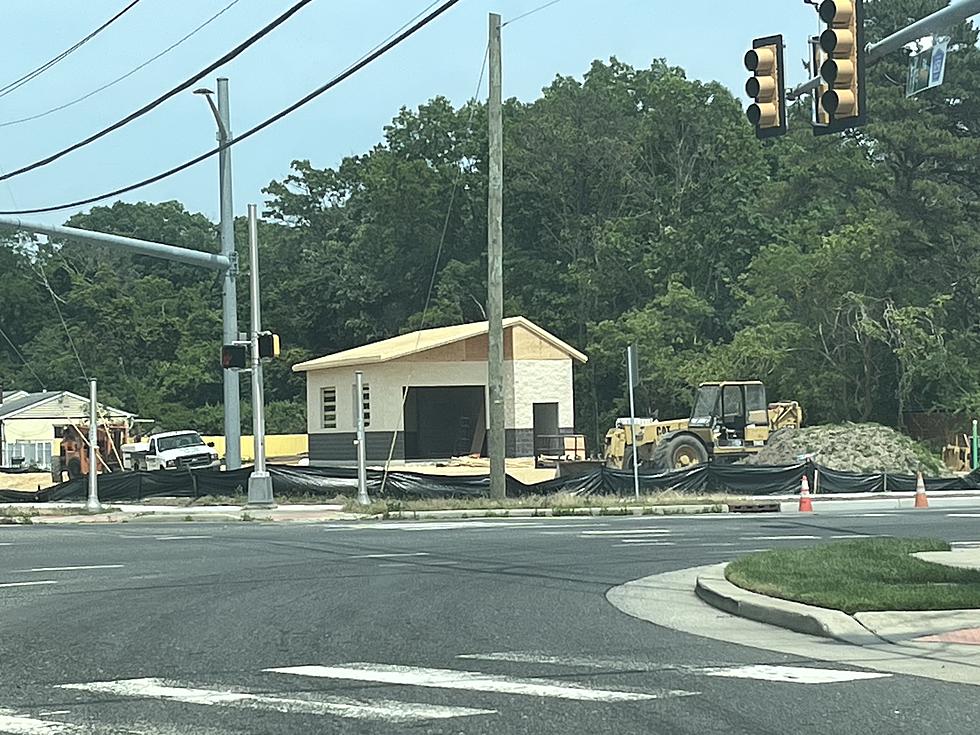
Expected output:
(859, 576)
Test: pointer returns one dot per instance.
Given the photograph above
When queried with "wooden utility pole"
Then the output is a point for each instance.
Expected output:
(495, 277)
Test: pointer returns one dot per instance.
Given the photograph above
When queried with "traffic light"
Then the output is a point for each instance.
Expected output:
(817, 58)
(234, 356)
(842, 71)
(268, 344)
(768, 112)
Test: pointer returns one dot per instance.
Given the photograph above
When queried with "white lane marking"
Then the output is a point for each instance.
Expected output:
(381, 709)
(789, 537)
(644, 542)
(790, 674)
(440, 563)
(24, 725)
(179, 538)
(472, 681)
(627, 532)
(964, 543)
(67, 569)
(395, 564)
(852, 535)
(523, 657)
(388, 556)
(451, 525)
(963, 515)
(27, 584)
(793, 674)
(5, 543)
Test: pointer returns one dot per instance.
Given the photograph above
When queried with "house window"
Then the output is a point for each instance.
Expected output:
(366, 400)
(328, 399)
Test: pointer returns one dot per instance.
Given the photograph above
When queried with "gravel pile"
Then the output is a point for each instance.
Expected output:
(866, 448)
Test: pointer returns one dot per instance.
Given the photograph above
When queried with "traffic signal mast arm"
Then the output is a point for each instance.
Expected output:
(955, 12)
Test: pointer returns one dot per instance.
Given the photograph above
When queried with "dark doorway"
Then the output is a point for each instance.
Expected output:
(444, 422)
(546, 428)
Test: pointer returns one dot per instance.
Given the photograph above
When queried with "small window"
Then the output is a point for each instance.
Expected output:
(366, 400)
(328, 399)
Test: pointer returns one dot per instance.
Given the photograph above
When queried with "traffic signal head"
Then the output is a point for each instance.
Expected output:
(268, 344)
(234, 356)
(842, 69)
(767, 113)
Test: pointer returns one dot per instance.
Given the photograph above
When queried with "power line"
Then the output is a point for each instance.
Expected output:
(347, 73)
(124, 76)
(17, 83)
(435, 265)
(22, 359)
(530, 12)
(164, 97)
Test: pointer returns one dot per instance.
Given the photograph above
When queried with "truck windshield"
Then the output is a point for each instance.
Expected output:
(705, 403)
(190, 439)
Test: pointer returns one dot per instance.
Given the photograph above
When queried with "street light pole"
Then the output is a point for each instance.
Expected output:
(259, 482)
(93, 505)
(229, 292)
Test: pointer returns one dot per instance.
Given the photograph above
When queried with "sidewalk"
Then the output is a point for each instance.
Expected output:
(927, 629)
(75, 512)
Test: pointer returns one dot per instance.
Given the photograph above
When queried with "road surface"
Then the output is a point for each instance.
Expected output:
(491, 626)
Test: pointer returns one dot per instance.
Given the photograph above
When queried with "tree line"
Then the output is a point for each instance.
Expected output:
(638, 208)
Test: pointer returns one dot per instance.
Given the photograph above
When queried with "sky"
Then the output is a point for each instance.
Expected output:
(708, 38)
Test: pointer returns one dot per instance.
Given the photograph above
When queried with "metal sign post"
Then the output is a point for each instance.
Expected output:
(259, 482)
(93, 505)
(634, 379)
(362, 493)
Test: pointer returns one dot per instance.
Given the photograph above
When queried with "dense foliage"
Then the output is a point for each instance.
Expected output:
(843, 270)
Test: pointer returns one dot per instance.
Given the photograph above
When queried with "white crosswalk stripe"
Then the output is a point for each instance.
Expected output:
(14, 724)
(376, 709)
(794, 674)
(764, 672)
(472, 681)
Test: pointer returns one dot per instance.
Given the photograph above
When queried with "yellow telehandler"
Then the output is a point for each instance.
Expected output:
(730, 421)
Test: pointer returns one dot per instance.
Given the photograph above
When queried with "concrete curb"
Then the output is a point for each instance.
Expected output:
(649, 510)
(714, 589)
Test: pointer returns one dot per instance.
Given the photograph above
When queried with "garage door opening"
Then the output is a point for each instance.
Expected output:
(443, 422)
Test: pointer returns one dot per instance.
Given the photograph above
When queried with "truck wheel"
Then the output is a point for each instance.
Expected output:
(74, 469)
(680, 453)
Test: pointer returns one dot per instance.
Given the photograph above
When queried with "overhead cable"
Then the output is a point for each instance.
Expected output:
(17, 83)
(164, 97)
(128, 74)
(346, 74)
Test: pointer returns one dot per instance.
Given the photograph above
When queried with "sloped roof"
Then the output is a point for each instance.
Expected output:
(427, 339)
(9, 395)
(18, 405)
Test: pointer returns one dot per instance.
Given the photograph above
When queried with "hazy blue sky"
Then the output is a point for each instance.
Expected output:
(706, 37)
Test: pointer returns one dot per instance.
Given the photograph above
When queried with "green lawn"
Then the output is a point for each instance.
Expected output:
(860, 575)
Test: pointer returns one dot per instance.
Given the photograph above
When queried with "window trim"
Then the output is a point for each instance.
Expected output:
(323, 407)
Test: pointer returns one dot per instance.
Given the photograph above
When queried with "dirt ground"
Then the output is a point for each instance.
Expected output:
(520, 469)
(25, 481)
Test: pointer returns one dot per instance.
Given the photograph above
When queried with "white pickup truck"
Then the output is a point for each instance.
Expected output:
(172, 450)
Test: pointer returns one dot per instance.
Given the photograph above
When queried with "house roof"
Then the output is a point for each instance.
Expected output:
(9, 395)
(427, 339)
(10, 409)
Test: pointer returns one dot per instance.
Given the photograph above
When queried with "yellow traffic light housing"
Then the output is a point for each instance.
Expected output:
(767, 113)
(268, 344)
(842, 70)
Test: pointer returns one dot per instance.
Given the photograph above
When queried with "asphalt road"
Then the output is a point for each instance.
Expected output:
(458, 627)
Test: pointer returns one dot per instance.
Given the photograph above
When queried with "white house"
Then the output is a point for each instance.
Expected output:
(428, 391)
(31, 424)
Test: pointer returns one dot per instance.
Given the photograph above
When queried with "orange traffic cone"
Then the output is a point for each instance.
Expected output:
(806, 504)
(921, 501)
